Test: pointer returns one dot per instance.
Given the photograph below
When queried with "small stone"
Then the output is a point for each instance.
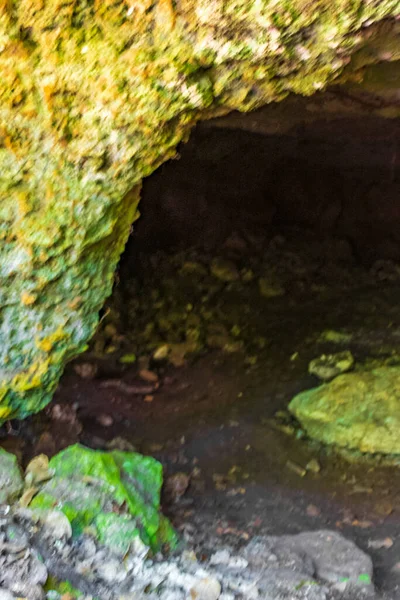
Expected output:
(26, 591)
(270, 289)
(206, 589)
(11, 483)
(120, 443)
(16, 534)
(222, 557)
(128, 359)
(313, 511)
(57, 525)
(111, 571)
(161, 353)
(224, 270)
(148, 375)
(105, 420)
(38, 470)
(86, 370)
(335, 337)
(301, 471)
(110, 330)
(379, 544)
(88, 547)
(313, 466)
(328, 366)
(176, 486)
(64, 413)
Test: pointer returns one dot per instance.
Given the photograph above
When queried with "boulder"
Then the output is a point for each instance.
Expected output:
(11, 482)
(359, 411)
(115, 493)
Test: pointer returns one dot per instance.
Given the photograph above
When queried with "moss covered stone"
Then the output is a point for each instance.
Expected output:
(359, 411)
(117, 494)
(11, 482)
(93, 97)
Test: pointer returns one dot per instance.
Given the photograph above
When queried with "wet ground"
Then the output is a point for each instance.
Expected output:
(236, 466)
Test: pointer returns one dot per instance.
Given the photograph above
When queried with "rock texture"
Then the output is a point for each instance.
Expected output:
(93, 97)
(359, 411)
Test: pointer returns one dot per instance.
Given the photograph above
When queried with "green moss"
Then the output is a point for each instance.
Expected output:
(116, 493)
(357, 411)
(61, 587)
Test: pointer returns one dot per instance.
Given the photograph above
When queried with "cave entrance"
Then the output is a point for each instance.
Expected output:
(271, 240)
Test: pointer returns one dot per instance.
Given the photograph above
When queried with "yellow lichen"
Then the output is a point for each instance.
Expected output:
(27, 299)
(46, 344)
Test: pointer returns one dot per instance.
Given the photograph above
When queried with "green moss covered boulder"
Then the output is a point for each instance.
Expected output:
(94, 96)
(358, 411)
(116, 495)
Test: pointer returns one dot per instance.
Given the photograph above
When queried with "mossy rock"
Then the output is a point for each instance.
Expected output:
(328, 366)
(94, 96)
(11, 482)
(117, 494)
(357, 411)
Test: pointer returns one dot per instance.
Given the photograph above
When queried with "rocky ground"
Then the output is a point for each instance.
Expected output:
(320, 565)
(196, 361)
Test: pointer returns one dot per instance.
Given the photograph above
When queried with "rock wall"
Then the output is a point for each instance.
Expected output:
(93, 97)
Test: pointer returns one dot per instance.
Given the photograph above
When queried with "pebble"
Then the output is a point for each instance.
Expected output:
(120, 443)
(128, 359)
(313, 466)
(148, 375)
(269, 289)
(111, 571)
(57, 525)
(105, 420)
(206, 589)
(328, 366)
(88, 547)
(161, 352)
(300, 471)
(176, 485)
(86, 370)
(18, 535)
(224, 270)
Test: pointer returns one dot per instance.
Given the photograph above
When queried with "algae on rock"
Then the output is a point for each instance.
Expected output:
(358, 411)
(115, 493)
(93, 97)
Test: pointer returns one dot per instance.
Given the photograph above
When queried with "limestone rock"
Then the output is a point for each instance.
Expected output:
(335, 559)
(293, 564)
(359, 411)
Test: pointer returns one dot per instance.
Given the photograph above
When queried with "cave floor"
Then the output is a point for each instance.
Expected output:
(233, 469)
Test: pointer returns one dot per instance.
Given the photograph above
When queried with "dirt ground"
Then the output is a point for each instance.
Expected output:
(213, 421)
